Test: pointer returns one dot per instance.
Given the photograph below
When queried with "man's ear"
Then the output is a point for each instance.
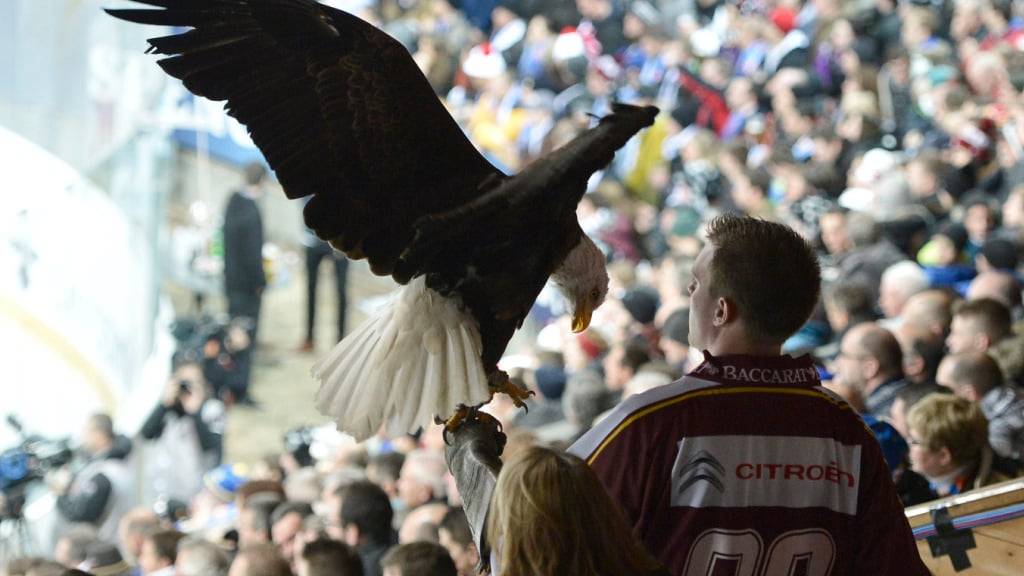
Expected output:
(915, 365)
(982, 342)
(725, 311)
(870, 368)
(945, 457)
(968, 392)
(351, 535)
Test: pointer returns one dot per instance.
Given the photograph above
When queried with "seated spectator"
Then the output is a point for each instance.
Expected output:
(870, 253)
(254, 522)
(924, 174)
(750, 193)
(979, 221)
(997, 254)
(545, 407)
(931, 311)
(976, 377)
(978, 325)
(384, 469)
(911, 487)
(422, 523)
(870, 361)
(675, 340)
(421, 479)
(1013, 215)
(259, 560)
(365, 518)
(642, 304)
(71, 547)
(418, 559)
(159, 552)
(214, 511)
(847, 305)
(584, 399)
(325, 557)
(131, 532)
(303, 485)
(905, 400)
(998, 285)
(285, 523)
(622, 362)
(949, 446)
(899, 282)
(329, 505)
(551, 516)
(986, 326)
(199, 557)
(253, 489)
(922, 351)
(313, 528)
(944, 260)
(454, 534)
(834, 237)
(104, 559)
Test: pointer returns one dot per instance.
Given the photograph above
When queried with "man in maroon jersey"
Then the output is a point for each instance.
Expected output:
(747, 466)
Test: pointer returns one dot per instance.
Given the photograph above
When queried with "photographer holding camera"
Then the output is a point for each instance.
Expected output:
(185, 428)
(103, 490)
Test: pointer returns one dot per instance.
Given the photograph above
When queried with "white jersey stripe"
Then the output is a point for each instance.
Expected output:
(589, 442)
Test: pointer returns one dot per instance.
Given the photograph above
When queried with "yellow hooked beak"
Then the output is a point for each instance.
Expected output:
(581, 317)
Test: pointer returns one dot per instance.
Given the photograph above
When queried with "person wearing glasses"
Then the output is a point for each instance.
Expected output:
(870, 362)
(949, 446)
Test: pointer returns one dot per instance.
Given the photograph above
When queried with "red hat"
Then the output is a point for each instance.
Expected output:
(784, 19)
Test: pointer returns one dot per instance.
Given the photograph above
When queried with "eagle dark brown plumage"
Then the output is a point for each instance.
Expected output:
(342, 113)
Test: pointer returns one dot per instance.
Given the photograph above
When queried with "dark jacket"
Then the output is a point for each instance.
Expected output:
(95, 492)
(370, 554)
(880, 400)
(243, 245)
(866, 264)
(913, 488)
(210, 440)
(1004, 408)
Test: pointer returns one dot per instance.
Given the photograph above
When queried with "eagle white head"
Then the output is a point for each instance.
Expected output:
(583, 279)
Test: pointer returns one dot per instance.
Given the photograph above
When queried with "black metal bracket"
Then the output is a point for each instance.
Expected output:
(950, 541)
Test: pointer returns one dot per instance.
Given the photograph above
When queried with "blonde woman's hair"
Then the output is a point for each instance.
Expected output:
(550, 516)
(951, 422)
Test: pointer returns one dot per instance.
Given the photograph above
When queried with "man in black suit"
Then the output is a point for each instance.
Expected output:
(244, 279)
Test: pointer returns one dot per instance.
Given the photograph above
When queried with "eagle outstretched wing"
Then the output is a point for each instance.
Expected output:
(339, 109)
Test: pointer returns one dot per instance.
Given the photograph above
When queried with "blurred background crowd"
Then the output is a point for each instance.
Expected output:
(890, 134)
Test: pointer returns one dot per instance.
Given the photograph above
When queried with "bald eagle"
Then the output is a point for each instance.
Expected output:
(342, 113)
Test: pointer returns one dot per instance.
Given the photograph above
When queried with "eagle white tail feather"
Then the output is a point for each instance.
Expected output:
(417, 358)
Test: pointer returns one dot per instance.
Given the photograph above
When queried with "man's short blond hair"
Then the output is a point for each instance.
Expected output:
(945, 421)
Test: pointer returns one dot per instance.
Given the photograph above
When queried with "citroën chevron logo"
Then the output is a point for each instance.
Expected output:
(701, 467)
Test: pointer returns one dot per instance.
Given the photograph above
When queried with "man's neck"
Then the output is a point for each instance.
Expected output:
(876, 383)
(733, 344)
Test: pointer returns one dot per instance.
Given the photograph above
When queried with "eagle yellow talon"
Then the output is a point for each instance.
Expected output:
(464, 415)
(456, 420)
(502, 383)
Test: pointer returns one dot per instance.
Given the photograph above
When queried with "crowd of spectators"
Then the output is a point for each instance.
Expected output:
(889, 133)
